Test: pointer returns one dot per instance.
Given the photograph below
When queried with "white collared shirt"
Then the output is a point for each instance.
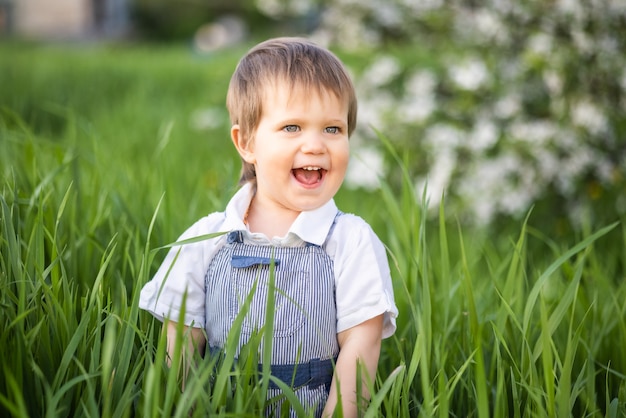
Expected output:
(363, 285)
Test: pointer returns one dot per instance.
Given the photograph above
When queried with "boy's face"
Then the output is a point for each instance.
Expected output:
(300, 148)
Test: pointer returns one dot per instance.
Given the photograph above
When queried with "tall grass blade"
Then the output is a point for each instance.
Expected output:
(534, 293)
(482, 400)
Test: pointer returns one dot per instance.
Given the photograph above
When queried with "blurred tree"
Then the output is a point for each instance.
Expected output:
(501, 104)
(166, 20)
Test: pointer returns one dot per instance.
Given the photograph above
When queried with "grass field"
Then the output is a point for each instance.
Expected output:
(108, 153)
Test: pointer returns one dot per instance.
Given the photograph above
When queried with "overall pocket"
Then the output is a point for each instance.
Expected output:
(291, 298)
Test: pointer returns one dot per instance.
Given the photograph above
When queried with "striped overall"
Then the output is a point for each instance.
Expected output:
(305, 333)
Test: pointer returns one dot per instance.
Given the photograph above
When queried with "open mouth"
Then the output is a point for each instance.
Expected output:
(308, 175)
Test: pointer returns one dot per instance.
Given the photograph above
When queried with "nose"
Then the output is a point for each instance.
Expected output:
(313, 144)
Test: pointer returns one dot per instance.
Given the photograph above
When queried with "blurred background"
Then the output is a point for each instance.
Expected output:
(500, 105)
(474, 117)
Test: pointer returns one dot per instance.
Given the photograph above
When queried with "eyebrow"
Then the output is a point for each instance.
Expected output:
(339, 121)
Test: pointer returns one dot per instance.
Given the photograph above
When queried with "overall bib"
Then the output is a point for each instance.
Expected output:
(304, 345)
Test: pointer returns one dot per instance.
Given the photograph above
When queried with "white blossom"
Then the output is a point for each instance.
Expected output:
(279, 8)
(416, 109)
(419, 100)
(388, 14)
(535, 131)
(421, 83)
(483, 187)
(479, 188)
(507, 106)
(586, 114)
(502, 6)
(372, 110)
(207, 118)
(547, 164)
(488, 22)
(470, 74)
(420, 6)
(571, 8)
(489, 25)
(441, 137)
(554, 82)
(616, 6)
(582, 41)
(365, 169)
(484, 135)
(605, 170)
(438, 178)
(347, 29)
(381, 72)
(540, 44)
(572, 167)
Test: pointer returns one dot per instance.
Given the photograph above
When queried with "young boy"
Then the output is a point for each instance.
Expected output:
(293, 108)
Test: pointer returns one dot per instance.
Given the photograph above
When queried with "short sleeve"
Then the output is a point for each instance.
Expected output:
(180, 277)
(363, 280)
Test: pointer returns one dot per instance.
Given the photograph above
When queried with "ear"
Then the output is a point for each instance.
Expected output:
(244, 146)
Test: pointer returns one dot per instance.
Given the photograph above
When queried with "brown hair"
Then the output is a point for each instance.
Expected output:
(297, 61)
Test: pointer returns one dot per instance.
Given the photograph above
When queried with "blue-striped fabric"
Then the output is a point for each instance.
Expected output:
(304, 307)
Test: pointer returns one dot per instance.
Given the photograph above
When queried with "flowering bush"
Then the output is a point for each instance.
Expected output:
(499, 105)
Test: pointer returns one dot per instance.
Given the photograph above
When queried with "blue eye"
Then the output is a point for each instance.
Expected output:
(332, 130)
(291, 128)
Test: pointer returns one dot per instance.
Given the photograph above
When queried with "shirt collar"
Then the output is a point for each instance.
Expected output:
(237, 207)
(314, 225)
(311, 226)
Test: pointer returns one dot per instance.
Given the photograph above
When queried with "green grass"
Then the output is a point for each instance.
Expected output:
(100, 167)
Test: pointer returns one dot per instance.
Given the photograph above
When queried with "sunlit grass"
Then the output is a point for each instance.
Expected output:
(493, 322)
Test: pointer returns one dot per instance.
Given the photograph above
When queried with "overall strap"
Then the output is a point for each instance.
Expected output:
(332, 227)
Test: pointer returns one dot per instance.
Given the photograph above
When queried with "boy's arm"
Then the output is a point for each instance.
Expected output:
(357, 344)
(194, 339)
